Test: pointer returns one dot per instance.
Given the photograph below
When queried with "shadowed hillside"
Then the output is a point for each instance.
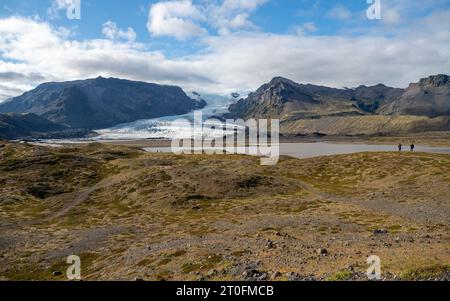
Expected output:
(15, 126)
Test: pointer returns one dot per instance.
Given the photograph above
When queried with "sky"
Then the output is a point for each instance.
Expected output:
(222, 46)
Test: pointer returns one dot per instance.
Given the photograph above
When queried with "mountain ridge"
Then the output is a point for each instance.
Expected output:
(428, 97)
(101, 102)
(311, 109)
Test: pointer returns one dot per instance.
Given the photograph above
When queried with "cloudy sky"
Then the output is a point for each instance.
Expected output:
(222, 46)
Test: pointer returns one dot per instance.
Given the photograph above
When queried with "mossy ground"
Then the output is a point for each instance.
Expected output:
(161, 216)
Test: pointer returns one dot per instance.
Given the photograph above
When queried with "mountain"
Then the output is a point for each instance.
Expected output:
(101, 102)
(429, 97)
(371, 99)
(365, 110)
(283, 98)
(19, 126)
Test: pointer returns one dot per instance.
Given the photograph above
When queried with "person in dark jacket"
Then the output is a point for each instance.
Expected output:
(399, 147)
(412, 146)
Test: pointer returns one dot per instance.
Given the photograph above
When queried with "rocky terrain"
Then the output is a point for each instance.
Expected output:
(376, 110)
(429, 97)
(101, 102)
(133, 215)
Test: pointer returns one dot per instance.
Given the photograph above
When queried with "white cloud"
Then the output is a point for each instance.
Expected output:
(391, 16)
(57, 5)
(111, 31)
(339, 12)
(184, 19)
(175, 18)
(32, 52)
(232, 15)
(305, 28)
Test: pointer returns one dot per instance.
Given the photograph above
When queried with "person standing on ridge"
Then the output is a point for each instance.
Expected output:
(412, 146)
(399, 147)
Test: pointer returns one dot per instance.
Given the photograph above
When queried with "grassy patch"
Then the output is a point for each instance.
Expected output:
(190, 267)
(340, 276)
(44, 271)
(425, 273)
(212, 261)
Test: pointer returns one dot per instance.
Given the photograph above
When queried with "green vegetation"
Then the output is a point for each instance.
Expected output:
(136, 215)
(425, 273)
(341, 276)
(54, 270)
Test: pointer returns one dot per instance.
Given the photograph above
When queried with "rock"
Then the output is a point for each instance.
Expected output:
(254, 274)
(380, 231)
(397, 239)
(262, 277)
(56, 273)
(270, 244)
(275, 275)
(212, 272)
(291, 276)
(322, 251)
(251, 272)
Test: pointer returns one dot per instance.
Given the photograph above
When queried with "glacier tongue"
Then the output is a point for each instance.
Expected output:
(159, 128)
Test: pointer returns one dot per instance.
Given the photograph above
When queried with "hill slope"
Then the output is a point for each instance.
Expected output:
(101, 102)
(365, 125)
(131, 215)
(16, 126)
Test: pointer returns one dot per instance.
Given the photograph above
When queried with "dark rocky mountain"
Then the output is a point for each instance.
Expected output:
(235, 95)
(282, 97)
(429, 97)
(101, 102)
(309, 109)
(371, 99)
(20, 126)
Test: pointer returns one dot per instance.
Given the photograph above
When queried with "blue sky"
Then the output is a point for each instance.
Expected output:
(220, 46)
(275, 16)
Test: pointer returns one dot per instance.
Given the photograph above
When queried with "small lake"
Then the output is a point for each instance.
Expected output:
(318, 149)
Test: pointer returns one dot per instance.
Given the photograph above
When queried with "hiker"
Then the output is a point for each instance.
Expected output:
(412, 146)
(399, 147)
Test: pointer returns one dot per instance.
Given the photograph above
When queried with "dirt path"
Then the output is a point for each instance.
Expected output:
(80, 198)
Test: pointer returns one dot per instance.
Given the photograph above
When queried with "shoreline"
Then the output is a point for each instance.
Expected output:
(428, 139)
